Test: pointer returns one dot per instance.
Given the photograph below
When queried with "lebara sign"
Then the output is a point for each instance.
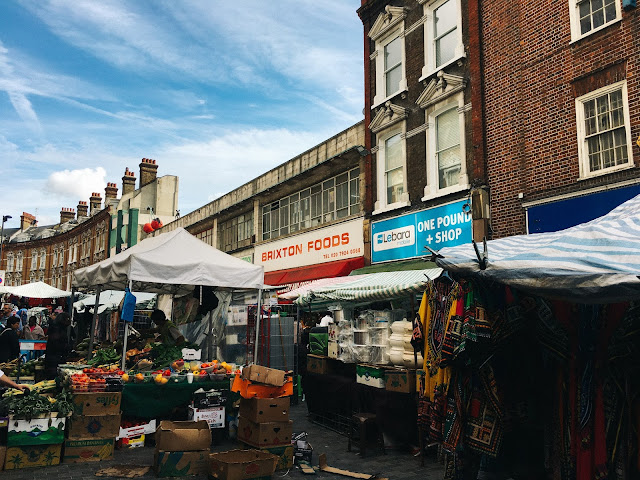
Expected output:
(406, 236)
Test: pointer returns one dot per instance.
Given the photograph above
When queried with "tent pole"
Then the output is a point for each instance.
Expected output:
(73, 295)
(126, 336)
(258, 315)
(93, 323)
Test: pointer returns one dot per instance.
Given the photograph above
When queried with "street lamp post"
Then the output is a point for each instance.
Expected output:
(4, 219)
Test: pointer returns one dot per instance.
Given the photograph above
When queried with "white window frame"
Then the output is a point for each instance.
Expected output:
(431, 189)
(574, 16)
(10, 263)
(583, 150)
(429, 69)
(382, 39)
(381, 204)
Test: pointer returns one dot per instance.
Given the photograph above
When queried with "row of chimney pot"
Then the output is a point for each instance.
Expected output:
(148, 174)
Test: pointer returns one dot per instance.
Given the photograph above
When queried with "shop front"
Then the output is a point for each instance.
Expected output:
(328, 252)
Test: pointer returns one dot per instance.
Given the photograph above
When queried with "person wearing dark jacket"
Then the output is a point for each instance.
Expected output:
(57, 345)
(9, 343)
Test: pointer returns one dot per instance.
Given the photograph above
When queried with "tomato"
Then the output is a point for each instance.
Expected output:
(167, 373)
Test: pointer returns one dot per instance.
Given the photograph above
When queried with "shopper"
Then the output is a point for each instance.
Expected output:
(9, 343)
(57, 344)
(7, 382)
(34, 331)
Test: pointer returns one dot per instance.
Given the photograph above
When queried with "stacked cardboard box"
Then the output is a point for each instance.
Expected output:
(92, 430)
(182, 448)
(208, 405)
(34, 443)
(264, 422)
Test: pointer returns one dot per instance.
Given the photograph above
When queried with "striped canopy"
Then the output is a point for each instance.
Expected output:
(369, 288)
(595, 262)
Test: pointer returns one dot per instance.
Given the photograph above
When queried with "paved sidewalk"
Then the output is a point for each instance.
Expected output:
(394, 465)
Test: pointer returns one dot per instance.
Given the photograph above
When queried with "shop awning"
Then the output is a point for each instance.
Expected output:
(395, 266)
(338, 268)
(597, 261)
(371, 287)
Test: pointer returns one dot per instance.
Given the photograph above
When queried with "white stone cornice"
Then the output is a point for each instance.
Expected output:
(465, 108)
(388, 115)
(387, 21)
(416, 131)
(439, 88)
(415, 26)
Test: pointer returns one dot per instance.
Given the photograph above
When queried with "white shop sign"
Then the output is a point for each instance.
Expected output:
(328, 244)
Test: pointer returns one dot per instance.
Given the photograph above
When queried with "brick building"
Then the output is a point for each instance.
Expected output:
(423, 101)
(51, 253)
(562, 111)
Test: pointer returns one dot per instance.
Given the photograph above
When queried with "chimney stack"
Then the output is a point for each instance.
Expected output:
(110, 191)
(128, 181)
(67, 214)
(82, 209)
(148, 171)
(95, 202)
(27, 220)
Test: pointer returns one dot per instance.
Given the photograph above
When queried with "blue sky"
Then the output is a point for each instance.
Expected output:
(216, 92)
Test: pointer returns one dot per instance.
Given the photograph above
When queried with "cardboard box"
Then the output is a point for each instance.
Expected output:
(178, 464)
(208, 398)
(48, 430)
(266, 434)
(284, 454)
(26, 456)
(99, 403)
(403, 380)
(371, 375)
(133, 442)
(91, 450)
(333, 332)
(260, 410)
(213, 416)
(241, 464)
(86, 427)
(183, 436)
(132, 432)
(3, 454)
(317, 364)
(333, 350)
(260, 374)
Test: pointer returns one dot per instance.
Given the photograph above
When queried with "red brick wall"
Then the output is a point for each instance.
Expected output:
(532, 75)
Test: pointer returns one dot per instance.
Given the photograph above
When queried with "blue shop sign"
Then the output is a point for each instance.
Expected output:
(407, 236)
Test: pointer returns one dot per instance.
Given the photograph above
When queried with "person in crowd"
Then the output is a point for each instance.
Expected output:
(169, 333)
(9, 343)
(7, 382)
(7, 312)
(34, 331)
(57, 344)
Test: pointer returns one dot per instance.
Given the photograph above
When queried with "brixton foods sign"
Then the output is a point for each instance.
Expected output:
(337, 242)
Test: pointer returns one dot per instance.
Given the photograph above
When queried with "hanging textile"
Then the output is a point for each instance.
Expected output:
(437, 306)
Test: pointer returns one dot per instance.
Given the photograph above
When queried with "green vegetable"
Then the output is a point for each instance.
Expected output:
(105, 356)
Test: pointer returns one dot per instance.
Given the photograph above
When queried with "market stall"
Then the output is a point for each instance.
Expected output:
(349, 375)
(530, 353)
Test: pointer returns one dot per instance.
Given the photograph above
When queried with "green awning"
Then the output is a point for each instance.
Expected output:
(369, 288)
(395, 267)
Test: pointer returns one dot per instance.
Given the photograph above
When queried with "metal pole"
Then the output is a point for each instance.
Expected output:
(126, 335)
(93, 323)
(258, 315)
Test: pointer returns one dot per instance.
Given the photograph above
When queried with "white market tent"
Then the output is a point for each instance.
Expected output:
(36, 290)
(597, 261)
(172, 263)
(365, 288)
(109, 299)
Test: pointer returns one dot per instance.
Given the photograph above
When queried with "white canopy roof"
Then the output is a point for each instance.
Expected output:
(110, 299)
(172, 262)
(37, 290)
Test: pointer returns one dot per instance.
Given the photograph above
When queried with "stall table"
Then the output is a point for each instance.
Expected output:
(149, 400)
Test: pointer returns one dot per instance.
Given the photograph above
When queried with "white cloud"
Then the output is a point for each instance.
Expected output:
(77, 184)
